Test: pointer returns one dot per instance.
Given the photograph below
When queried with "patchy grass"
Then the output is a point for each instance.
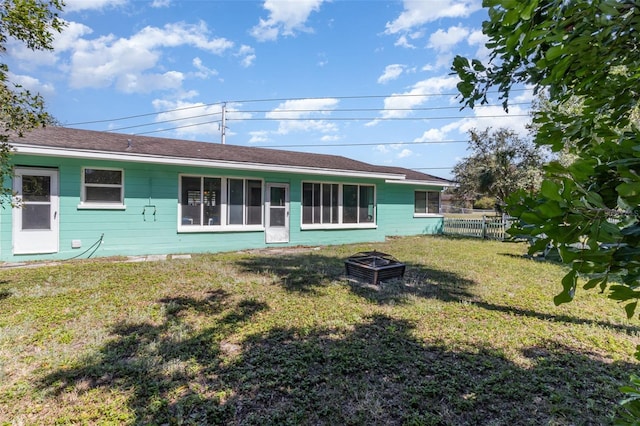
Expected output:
(469, 336)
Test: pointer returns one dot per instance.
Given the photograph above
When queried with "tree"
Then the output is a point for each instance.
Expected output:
(33, 22)
(586, 51)
(500, 163)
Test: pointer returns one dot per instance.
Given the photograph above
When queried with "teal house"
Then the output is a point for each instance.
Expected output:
(82, 193)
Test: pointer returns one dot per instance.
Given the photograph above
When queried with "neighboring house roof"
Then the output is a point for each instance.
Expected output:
(62, 141)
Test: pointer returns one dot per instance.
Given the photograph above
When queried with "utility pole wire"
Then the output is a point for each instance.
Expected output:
(272, 100)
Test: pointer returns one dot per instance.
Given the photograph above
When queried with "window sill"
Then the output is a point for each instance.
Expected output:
(191, 229)
(427, 215)
(101, 206)
(309, 227)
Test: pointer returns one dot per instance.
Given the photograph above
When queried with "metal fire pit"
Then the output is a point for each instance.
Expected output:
(373, 267)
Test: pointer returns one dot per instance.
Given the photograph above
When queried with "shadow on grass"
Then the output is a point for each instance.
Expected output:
(375, 374)
(4, 294)
(628, 329)
(304, 273)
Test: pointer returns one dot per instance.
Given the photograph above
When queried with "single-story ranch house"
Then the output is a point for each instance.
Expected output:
(87, 193)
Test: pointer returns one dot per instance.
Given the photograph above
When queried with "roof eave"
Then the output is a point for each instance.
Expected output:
(421, 182)
(182, 161)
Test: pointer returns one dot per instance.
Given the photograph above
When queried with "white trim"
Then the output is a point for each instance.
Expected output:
(340, 206)
(420, 182)
(428, 215)
(153, 159)
(329, 226)
(35, 241)
(191, 229)
(101, 206)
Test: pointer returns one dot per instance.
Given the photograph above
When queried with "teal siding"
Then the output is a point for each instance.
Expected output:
(150, 187)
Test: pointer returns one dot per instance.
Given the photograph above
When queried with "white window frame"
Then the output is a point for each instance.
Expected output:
(340, 224)
(427, 213)
(224, 206)
(101, 205)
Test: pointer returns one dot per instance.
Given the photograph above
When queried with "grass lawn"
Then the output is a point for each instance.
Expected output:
(470, 336)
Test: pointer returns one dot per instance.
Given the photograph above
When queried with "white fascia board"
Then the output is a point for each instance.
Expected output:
(175, 161)
(420, 183)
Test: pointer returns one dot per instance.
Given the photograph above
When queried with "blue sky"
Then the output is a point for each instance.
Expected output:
(306, 75)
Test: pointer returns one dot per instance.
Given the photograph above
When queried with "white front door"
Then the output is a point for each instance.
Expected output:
(35, 217)
(277, 208)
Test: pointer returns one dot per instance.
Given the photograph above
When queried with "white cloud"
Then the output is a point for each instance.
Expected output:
(247, 55)
(478, 38)
(259, 136)
(285, 18)
(399, 105)
(31, 84)
(78, 5)
(147, 83)
(66, 40)
(420, 12)
(437, 135)
(391, 72)
(202, 71)
(189, 119)
(443, 41)
(123, 62)
(160, 3)
(298, 115)
(405, 153)
(483, 117)
(404, 42)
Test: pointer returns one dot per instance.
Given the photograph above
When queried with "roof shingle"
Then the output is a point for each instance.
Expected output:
(94, 141)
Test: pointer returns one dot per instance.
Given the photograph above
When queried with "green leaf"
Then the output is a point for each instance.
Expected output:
(553, 52)
(623, 293)
(593, 282)
(594, 199)
(550, 190)
(568, 254)
(511, 17)
(528, 10)
(628, 189)
(630, 309)
(569, 288)
(550, 210)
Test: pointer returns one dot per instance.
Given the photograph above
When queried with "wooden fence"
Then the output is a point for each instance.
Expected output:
(487, 227)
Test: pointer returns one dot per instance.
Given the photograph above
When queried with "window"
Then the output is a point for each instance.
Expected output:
(320, 203)
(219, 202)
(102, 186)
(427, 202)
(334, 204)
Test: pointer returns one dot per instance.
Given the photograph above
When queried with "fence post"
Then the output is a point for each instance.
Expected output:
(484, 227)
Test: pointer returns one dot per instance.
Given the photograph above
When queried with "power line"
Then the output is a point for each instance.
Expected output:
(315, 145)
(273, 100)
(106, 120)
(377, 118)
(165, 121)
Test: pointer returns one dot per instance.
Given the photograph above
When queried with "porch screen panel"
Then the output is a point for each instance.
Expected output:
(330, 203)
(254, 202)
(236, 202)
(420, 205)
(212, 201)
(311, 203)
(307, 203)
(191, 200)
(433, 202)
(349, 204)
(366, 204)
